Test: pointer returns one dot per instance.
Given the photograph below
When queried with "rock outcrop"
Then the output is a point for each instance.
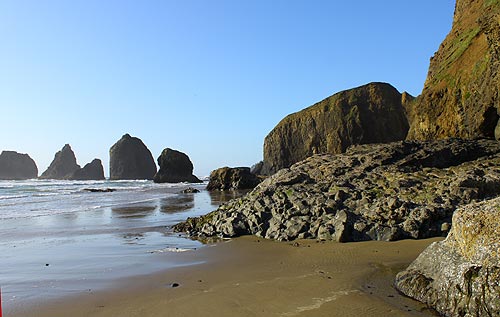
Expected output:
(371, 192)
(17, 166)
(91, 171)
(175, 167)
(63, 165)
(461, 96)
(227, 178)
(372, 113)
(129, 158)
(460, 276)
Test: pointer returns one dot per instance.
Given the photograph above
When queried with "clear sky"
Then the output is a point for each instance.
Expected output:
(210, 78)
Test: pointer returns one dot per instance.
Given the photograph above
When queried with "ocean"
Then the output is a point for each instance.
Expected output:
(57, 238)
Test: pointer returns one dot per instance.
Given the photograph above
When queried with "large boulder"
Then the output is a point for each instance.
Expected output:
(175, 167)
(91, 171)
(63, 165)
(371, 192)
(372, 113)
(129, 158)
(460, 276)
(461, 96)
(16, 166)
(227, 178)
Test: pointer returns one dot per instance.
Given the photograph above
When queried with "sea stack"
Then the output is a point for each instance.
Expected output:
(63, 165)
(175, 167)
(91, 171)
(17, 166)
(373, 113)
(129, 158)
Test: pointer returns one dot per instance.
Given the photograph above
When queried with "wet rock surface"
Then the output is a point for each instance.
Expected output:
(231, 178)
(406, 189)
(460, 276)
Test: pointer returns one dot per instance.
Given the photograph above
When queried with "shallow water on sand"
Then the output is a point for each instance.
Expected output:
(58, 239)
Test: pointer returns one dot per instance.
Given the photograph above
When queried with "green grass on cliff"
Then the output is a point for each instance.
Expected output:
(488, 3)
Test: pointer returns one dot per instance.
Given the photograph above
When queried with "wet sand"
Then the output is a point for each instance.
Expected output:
(249, 276)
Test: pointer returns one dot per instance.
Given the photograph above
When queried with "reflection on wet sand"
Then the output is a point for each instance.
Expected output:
(135, 211)
(218, 197)
(178, 203)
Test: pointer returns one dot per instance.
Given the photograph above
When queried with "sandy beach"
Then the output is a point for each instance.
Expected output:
(249, 276)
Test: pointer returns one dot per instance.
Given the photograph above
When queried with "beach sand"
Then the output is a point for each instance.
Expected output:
(249, 276)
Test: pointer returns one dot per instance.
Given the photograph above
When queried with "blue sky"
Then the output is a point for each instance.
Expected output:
(209, 78)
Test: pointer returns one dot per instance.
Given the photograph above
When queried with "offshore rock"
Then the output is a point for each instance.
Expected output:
(17, 166)
(129, 158)
(227, 178)
(63, 165)
(406, 189)
(91, 171)
(460, 276)
(461, 96)
(175, 167)
(373, 113)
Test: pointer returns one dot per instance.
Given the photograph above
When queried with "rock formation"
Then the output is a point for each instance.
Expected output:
(17, 166)
(227, 178)
(91, 171)
(371, 113)
(175, 167)
(63, 165)
(129, 158)
(460, 276)
(461, 96)
(371, 192)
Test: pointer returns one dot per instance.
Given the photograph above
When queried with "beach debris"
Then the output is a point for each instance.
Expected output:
(175, 285)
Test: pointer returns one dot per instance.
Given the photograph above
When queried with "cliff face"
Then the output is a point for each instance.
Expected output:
(372, 113)
(461, 94)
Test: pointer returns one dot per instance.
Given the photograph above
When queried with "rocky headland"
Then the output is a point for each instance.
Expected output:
(175, 167)
(63, 166)
(129, 158)
(406, 189)
(373, 113)
(232, 178)
(17, 166)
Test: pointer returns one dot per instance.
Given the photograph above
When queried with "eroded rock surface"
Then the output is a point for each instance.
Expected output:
(227, 178)
(406, 189)
(460, 276)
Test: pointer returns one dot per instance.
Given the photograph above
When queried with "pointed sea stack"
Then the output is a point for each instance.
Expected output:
(63, 165)
(91, 171)
(17, 166)
(129, 158)
(175, 167)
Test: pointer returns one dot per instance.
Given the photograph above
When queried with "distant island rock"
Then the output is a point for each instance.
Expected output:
(63, 165)
(385, 192)
(175, 167)
(17, 166)
(227, 178)
(91, 171)
(129, 158)
(372, 113)
(460, 275)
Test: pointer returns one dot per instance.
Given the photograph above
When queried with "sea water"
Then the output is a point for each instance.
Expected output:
(59, 238)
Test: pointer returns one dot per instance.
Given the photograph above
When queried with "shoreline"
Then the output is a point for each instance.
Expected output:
(250, 276)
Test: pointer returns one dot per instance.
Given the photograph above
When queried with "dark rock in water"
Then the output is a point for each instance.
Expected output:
(129, 158)
(175, 167)
(63, 165)
(227, 178)
(372, 192)
(372, 113)
(460, 276)
(257, 168)
(17, 166)
(91, 171)
(460, 96)
(190, 190)
(99, 190)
